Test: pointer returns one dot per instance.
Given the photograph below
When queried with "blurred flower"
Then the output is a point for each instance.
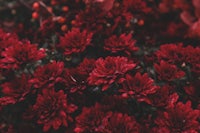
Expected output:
(17, 88)
(7, 39)
(136, 6)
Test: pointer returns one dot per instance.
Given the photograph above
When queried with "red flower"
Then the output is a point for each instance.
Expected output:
(7, 39)
(86, 67)
(179, 119)
(171, 53)
(168, 72)
(17, 89)
(120, 123)
(164, 97)
(192, 56)
(110, 70)
(139, 86)
(90, 120)
(77, 77)
(136, 6)
(105, 5)
(123, 43)
(193, 91)
(6, 101)
(75, 41)
(19, 55)
(52, 109)
(49, 75)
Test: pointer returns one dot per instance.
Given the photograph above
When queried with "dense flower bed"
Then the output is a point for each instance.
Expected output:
(101, 66)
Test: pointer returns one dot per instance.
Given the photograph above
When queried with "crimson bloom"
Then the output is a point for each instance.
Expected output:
(164, 97)
(49, 75)
(110, 70)
(90, 120)
(171, 53)
(105, 5)
(120, 123)
(139, 86)
(86, 67)
(17, 89)
(75, 41)
(7, 39)
(19, 55)
(136, 6)
(77, 77)
(179, 119)
(123, 43)
(168, 72)
(52, 109)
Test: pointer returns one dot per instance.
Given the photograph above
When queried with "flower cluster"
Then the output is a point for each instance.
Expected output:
(101, 66)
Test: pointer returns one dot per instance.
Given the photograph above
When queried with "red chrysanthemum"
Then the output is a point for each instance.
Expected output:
(171, 53)
(17, 89)
(75, 81)
(168, 72)
(19, 55)
(192, 57)
(120, 123)
(77, 77)
(139, 86)
(90, 120)
(75, 41)
(110, 70)
(136, 6)
(179, 119)
(86, 67)
(193, 91)
(52, 109)
(49, 75)
(123, 43)
(7, 39)
(105, 5)
(164, 97)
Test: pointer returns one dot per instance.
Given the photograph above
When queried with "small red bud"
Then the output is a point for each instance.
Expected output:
(125, 95)
(35, 15)
(65, 8)
(36, 5)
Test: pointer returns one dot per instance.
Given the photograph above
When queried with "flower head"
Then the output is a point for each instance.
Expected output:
(168, 72)
(139, 86)
(123, 43)
(110, 70)
(49, 75)
(120, 123)
(90, 120)
(19, 55)
(17, 88)
(7, 39)
(75, 41)
(52, 109)
(180, 118)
